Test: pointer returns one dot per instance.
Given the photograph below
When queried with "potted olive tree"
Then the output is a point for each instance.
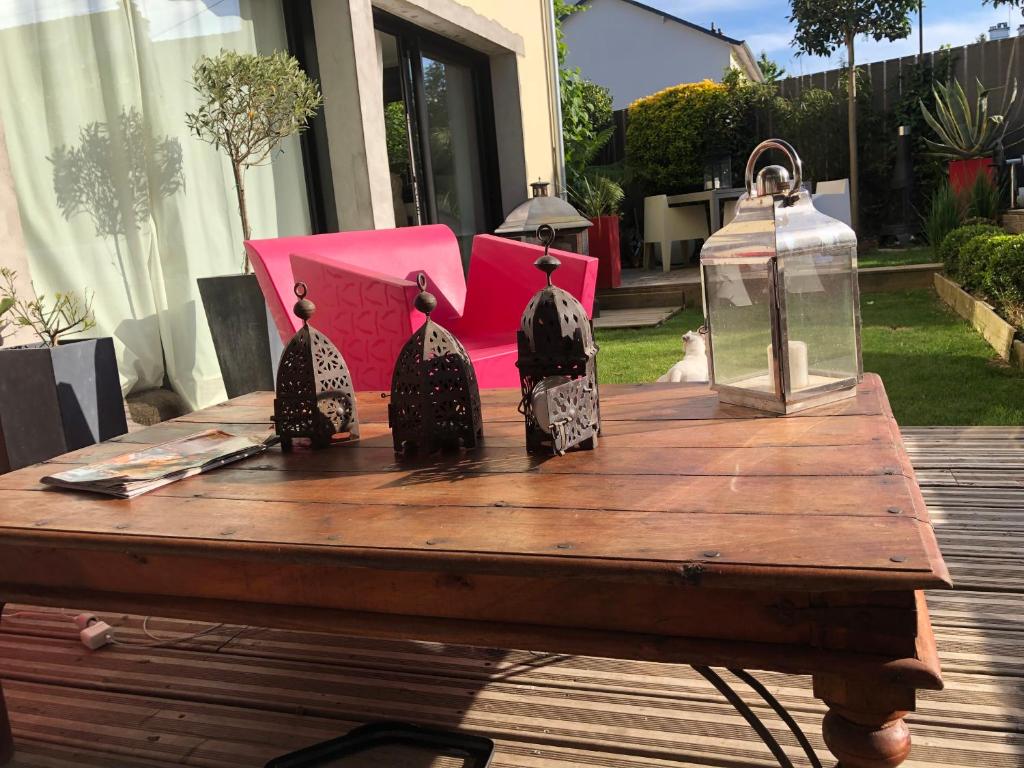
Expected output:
(58, 394)
(599, 199)
(248, 104)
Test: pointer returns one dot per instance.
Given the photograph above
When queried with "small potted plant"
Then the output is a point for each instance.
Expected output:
(58, 394)
(248, 104)
(968, 136)
(599, 199)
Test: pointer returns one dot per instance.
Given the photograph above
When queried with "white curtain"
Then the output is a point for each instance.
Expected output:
(112, 192)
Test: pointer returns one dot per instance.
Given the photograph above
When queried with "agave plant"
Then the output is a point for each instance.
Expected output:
(965, 132)
(598, 196)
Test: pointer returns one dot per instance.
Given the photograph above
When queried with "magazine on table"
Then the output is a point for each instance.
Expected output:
(138, 472)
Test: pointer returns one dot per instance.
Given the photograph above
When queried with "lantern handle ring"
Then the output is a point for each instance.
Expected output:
(785, 148)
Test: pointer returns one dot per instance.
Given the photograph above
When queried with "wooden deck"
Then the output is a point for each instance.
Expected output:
(241, 695)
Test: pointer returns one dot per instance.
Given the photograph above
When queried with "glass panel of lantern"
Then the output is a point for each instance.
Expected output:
(781, 297)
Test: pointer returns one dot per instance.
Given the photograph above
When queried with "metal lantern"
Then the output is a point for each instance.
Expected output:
(557, 366)
(781, 297)
(570, 227)
(435, 400)
(315, 399)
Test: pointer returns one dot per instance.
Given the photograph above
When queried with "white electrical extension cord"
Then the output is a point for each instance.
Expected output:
(94, 633)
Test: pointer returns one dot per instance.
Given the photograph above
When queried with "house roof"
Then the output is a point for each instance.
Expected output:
(670, 17)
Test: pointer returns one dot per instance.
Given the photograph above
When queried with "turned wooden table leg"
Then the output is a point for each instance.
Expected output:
(6, 738)
(864, 725)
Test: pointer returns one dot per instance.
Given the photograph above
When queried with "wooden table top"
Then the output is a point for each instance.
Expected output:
(680, 487)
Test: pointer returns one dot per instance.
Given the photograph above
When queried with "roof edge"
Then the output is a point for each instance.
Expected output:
(670, 17)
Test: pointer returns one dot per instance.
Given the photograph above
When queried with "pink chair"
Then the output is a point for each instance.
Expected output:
(363, 284)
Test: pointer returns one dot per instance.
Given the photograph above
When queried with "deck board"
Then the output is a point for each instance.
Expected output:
(242, 695)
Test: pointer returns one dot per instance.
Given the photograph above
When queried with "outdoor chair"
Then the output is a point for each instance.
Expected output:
(664, 225)
(833, 199)
(364, 284)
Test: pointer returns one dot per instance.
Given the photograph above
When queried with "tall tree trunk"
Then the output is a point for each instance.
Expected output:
(852, 131)
(242, 211)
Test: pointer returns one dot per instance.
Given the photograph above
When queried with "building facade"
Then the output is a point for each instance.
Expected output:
(435, 111)
(653, 50)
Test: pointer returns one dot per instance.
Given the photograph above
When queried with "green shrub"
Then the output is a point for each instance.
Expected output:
(1003, 280)
(953, 243)
(943, 217)
(667, 135)
(974, 261)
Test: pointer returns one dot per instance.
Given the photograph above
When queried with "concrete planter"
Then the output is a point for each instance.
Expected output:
(237, 315)
(996, 331)
(57, 399)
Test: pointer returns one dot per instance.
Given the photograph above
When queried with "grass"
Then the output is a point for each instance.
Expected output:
(936, 368)
(896, 257)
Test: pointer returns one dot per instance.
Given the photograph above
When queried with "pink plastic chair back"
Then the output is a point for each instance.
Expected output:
(400, 253)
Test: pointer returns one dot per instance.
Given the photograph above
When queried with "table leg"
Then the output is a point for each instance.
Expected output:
(6, 738)
(864, 725)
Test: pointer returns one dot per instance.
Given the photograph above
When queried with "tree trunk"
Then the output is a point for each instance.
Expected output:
(852, 131)
(242, 211)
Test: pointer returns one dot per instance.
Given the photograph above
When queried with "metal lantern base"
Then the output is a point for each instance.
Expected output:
(751, 400)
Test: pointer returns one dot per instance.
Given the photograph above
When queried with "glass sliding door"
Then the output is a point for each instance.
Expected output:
(451, 109)
(440, 136)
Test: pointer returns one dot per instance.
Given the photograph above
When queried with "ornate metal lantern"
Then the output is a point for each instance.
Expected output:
(781, 297)
(315, 399)
(435, 400)
(557, 366)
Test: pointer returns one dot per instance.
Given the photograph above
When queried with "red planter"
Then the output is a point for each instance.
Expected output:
(604, 246)
(962, 173)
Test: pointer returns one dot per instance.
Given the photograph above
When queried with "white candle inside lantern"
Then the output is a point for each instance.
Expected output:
(798, 378)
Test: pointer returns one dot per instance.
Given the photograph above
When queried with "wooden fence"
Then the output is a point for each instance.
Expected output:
(987, 61)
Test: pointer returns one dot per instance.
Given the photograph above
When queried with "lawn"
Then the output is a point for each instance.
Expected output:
(936, 368)
(895, 257)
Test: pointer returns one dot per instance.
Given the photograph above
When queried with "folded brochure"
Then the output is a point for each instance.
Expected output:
(132, 474)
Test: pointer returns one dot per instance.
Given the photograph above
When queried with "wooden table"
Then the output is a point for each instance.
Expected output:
(696, 533)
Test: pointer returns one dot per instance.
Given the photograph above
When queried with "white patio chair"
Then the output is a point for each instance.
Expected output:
(664, 225)
(833, 199)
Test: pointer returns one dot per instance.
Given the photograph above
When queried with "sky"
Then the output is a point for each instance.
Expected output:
(765, 26)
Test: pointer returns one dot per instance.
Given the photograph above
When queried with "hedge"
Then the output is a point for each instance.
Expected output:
(667, 134)
(989, 263)
(951, 246)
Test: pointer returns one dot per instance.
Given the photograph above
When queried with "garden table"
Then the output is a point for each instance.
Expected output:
(713, 199)
(696, 532)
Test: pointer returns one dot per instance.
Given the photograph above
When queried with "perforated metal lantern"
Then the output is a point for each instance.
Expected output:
(781, 297)
(557, 366)
(315, 398)
(435, 400)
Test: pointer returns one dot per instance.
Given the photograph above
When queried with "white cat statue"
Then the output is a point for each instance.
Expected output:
(694, 365)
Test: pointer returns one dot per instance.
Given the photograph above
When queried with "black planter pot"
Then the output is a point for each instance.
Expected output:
(57, 399)
(237, 315)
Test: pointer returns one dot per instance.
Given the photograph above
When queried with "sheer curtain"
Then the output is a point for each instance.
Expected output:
(112, 192)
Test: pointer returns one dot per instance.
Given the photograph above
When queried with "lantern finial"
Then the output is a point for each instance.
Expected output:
(425, 301)
(304, 308)
(547, 263)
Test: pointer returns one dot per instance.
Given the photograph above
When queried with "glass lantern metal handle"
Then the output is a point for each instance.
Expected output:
(785, 148)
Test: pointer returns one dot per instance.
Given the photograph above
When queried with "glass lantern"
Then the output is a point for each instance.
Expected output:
(781, 297)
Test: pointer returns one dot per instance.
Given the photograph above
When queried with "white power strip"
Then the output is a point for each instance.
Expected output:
(93, 633)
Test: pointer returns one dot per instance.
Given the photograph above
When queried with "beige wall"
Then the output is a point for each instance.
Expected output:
(530, 20)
